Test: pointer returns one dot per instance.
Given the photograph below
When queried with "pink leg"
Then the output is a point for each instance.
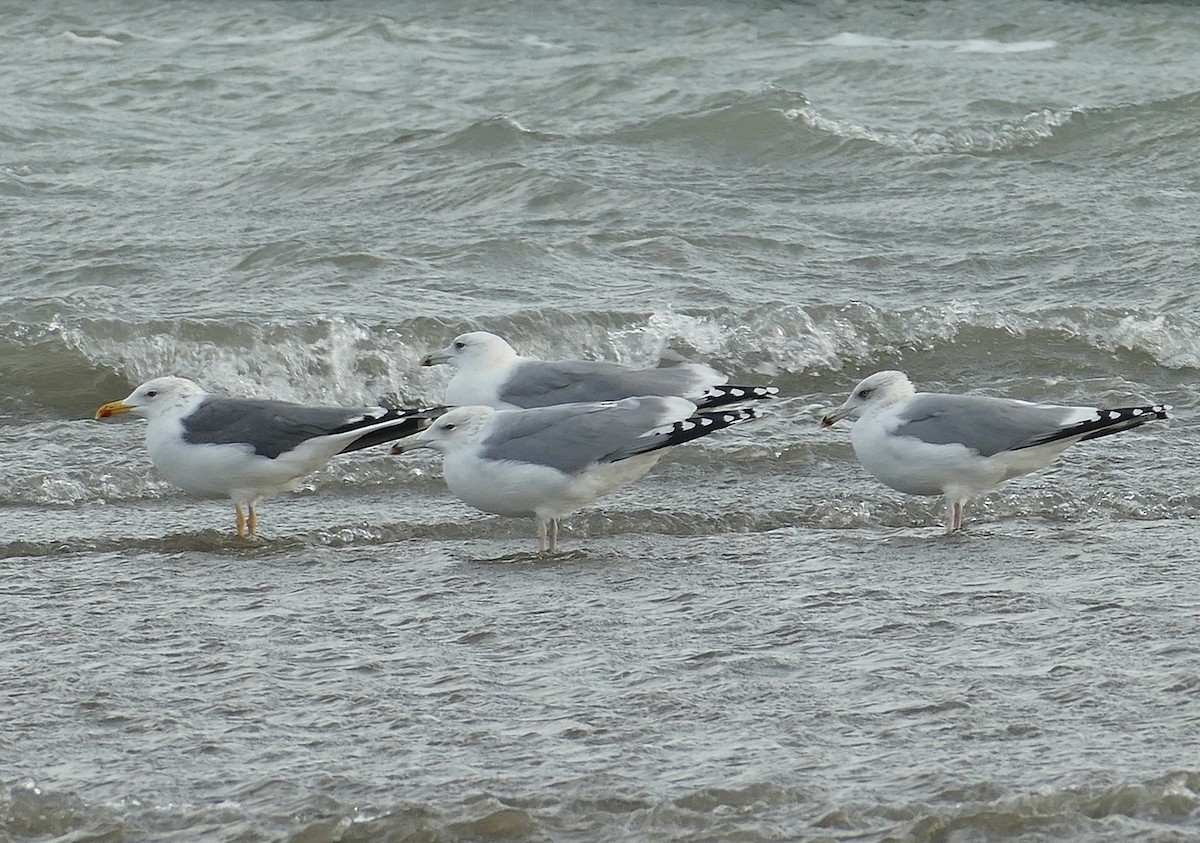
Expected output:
(954, 514)
(547, 535)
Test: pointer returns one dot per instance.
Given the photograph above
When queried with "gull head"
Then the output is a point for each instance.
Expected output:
(880, 390)
(153, 398)
(457, 428)
(475, 349)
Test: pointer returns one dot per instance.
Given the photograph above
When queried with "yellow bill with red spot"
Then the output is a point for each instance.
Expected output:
(113, 408)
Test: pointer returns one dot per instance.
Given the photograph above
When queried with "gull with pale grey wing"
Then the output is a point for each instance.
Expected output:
(491, 373)
(960, 445)
(550, 461)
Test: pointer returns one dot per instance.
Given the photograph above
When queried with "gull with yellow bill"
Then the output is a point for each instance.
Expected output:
(244, 449)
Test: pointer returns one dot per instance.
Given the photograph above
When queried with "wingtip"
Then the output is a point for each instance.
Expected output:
(724, 394)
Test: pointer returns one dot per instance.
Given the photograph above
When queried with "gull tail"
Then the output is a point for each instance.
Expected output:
(724, 394)
(1106, 423)
(388, 425)
(685, 430)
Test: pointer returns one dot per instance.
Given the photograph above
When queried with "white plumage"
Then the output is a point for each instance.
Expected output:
(246, 449)
(961, 445)
(491, 373)
(550, 461)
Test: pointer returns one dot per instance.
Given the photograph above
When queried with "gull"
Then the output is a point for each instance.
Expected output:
(491, 373)
(925, 443)
(550, 461)
(241, 448)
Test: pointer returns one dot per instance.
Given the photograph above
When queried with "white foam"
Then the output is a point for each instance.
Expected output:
(970, 45)
(1027, 131)
(1172, 341)
(90, 40)
(987, 45)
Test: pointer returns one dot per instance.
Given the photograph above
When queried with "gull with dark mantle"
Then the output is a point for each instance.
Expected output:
(491, 373)
(245, 449)
(925, 443)
(550, 461)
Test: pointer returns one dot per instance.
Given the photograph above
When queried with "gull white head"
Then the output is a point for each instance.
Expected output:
(154, 398)
(454, 430)
(473, 350)
(872, 394)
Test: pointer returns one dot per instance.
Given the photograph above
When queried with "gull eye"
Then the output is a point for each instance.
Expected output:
(460, 345)
(865, 393)
(152, 393)
(450, 426)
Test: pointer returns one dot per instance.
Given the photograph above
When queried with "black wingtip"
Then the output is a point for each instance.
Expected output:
(725, 394)
(685, 430)
(1108, 422)
(1125, 418)
(408, 421)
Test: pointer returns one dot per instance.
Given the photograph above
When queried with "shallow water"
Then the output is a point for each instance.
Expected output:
(756, 641)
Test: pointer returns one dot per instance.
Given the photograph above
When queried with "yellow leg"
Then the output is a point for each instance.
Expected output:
(241, 521)
(252, 523)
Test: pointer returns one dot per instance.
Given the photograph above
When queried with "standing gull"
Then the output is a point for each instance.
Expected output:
(550, 461)
(244, 449)
(925, 443)
(491, 373)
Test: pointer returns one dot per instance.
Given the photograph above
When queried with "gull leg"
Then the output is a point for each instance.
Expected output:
(954, 514)
(553, 535)
(541, 535)
(252, 521)
(241, 521)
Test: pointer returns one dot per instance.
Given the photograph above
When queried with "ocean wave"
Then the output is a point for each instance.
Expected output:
(764, 124)
(63, 363)
(1166, 804)
(492, 134)
(985, 138)
(774, 477)
(1163, 807)
(962, 45)
(57, 372)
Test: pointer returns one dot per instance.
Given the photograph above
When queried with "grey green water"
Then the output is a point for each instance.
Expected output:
(757, 641)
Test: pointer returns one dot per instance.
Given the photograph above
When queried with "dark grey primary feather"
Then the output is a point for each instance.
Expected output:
(272, 428)
(408, 422)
